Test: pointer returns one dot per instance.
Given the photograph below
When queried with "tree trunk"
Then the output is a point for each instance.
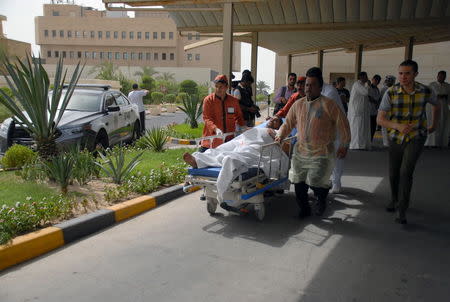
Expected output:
(46, 148)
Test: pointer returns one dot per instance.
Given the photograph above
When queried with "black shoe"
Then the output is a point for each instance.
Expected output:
(320, 207)
(390, 207)
(401, 218)
(304, 212)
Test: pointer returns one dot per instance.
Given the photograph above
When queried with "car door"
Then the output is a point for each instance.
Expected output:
(126, 125)
(112, 119)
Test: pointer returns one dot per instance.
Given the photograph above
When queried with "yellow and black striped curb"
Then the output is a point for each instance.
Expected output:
(34, 244)
(179, 141)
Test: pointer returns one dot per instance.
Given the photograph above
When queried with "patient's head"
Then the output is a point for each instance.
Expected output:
(274, 123)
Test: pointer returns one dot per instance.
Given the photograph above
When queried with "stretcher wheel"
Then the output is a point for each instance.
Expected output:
(260, 211)
(211, 205)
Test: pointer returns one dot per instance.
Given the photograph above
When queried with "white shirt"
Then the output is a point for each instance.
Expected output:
(136, 96)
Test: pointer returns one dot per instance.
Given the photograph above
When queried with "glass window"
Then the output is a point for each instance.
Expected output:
(69, 34)
(56, 54)
(49, 54)
(131, 35)
(172, 56)
(148, 56)
(78, 34)
(85, 34)
(46, 33)
(120, 100)
(64, 54)
(124, 35)
(189, 57)
(155, 35)
(71, 54)
(170, 35)
(139, 35)
(53, 33)
(94, 55)
(125, 55)
(83, 101)
(107, 34)
(116, 34)
(101, 55)
(155, 56)
(55, 13)
(189, 36)
(197, 57)
(117, 56)
(147, 35)
(92, 34)
(140, 56)
(133, 56)
(100, 34)
(109, 55)
(163, 56)
(109, 100)
(79, 55)
(87, 54)
(163, 35)
(61, 33)
(197, 36)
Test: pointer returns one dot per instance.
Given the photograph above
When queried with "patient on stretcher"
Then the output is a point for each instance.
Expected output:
(242, 153)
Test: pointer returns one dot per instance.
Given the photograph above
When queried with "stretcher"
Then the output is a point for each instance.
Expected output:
(246, 192)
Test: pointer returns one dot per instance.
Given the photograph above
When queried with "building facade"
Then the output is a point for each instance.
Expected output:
(12, 48)
(78, 33)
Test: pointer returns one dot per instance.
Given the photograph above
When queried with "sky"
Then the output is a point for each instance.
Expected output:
(20, 26)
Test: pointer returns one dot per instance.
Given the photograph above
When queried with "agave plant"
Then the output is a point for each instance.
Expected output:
(60, 169)
(193, 107)
(113, 164)
(154, 139)
(31, 105)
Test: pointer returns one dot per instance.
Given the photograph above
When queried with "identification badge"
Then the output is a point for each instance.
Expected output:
(230, 109)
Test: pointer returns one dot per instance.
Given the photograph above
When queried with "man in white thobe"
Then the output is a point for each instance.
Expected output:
(442, 91)
(389, 81)
(359, 114)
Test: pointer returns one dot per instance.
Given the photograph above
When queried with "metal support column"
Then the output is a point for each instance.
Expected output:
(227, 55)
(254, 64)
(320, 59)
(358, 60)
(409, 45)
(289, 64)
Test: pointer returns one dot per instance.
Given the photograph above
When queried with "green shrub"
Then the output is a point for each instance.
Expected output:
(84, 168)
(114, 165)
(60, 169)
(153, 139)
(17, 156)
(193, 107)
(170, 98)
(189, 86)
(157, 97)
(33, 171)
(148, 83)
(27, 216)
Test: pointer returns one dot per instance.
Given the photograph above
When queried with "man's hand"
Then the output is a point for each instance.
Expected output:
(278, 139)
(405, 128)
(283, 100)
(218, 131)
(341, 152)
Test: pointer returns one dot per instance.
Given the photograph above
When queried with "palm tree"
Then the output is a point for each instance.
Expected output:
(106, 71)
(146, 71)
(31, 104)
(166, 76)
(262, 87)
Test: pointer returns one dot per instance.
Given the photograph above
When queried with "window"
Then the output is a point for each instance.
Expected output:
(55, 13)
(46, 33)
(197, 57)
(100, 34)
(163, 35)
(116, 34)
(189, 57)
(124, 35)
(139, 35)
(133, 56)
(53, 33)
(79, 55)
(163, 56)
(170, 35)
(125, 55)
(87, 54)
(189, 36)
(94, 55)
(155, 56)
(109, 100)
(109, 55)
(107, 34)
(64, 54)
(147, 35)
(131, 35)
(197, 36)
(92, 34)
(117, 56)
(78, 34)
(140, 56)
(120, 100)
(49, 54)
(172, 56)
(101, 55)
(56, 54)
(148, 56)
(61, 33)
(71, 54)
(85, 34)
(155, 35)
(69, 34)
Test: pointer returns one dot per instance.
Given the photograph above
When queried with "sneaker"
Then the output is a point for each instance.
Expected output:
(320, 207)
(401, 218)
(336, 189)
(305, 211)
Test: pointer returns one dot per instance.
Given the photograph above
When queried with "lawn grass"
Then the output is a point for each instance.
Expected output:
(14, 189)
(187, 132)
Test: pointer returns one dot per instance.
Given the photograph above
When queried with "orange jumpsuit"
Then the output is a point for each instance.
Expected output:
(284, 111)
(220, 114)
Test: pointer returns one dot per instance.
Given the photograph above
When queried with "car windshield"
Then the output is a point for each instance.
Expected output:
(83, 100)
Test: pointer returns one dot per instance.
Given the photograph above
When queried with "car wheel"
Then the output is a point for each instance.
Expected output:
(101, 142)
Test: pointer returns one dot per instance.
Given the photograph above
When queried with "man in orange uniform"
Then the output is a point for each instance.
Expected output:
(296, 96)
(221, 112)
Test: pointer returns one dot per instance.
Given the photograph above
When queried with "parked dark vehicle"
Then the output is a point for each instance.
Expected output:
(96, 116)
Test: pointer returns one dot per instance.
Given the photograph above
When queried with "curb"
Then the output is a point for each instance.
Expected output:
(37, 243)
(179, 141)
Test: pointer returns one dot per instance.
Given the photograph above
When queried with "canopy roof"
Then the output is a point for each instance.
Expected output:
(299, 26)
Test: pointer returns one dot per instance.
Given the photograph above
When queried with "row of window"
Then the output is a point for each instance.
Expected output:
(109, 55)
(115, 34)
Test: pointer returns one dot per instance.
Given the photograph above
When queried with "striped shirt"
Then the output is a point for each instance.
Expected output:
(405, 108)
